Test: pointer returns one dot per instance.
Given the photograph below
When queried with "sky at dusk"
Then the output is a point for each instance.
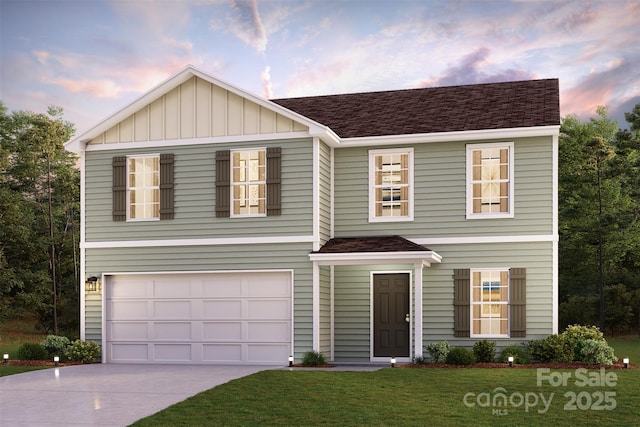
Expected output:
(93, 57)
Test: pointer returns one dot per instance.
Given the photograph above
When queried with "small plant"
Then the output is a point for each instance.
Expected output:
(31, 351)
(597, 352)
(313, 358)
(83, 351)
(485, 351)
(553, 348)
(55, 345)
(420, 360)
(438, 351)
(519, 354)
(461, 356)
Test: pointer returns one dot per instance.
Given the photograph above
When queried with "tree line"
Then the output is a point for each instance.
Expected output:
(599, 221)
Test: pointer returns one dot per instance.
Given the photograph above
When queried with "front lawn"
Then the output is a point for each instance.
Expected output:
(14, 369)
(414, 397)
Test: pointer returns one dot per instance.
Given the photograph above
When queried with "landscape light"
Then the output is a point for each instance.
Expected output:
(510, 361)
(56, 360)
(393, 361)
(5, 358)
(625, 361)
(290, 361)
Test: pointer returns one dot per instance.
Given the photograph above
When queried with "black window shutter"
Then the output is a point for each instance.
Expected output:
(518, 302)
(223, 184)
(274, 186)
(119, 188)
(166, 186)
(462, 302)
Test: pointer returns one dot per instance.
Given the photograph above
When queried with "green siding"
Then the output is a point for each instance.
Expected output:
(194, 189)
(352, 295)
(325, 193)
(440, 193)
(210, 258)
(325, 311)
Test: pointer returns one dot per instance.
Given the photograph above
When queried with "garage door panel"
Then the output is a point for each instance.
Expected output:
(221, 331)
(222, 309)
(128, 310)
(172, 331)
(138, 331)
(269, 331)
(268, 309)
(172, 309)
(129, 352)
(231, 353)
(199, 318)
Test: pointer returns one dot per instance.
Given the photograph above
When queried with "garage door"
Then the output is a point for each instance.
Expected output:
(199, 318)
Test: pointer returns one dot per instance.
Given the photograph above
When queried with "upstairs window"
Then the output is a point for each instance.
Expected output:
(391, 185)
(249, 182)
(490, 180)
(143, 187)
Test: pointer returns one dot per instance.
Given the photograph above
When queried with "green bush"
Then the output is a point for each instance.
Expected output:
(31, 351)
(576, 335)
(461, 356)
(438, 351)
(519, 353)
(55, 345)
(485, 351)
(596, 352)
(83, 351)
(553, 348)
(420, 360)
(313, 358)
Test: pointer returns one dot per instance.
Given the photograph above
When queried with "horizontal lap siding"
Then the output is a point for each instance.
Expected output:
(438, 286)
(209, 258)
(325, 311)
(440, 193)
(325, 193)
(194, 197)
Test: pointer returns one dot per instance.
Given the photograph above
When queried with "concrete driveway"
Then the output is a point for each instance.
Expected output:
(105, 394)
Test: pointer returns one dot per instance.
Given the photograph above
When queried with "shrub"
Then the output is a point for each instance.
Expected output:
(438, 351)
(55, 345)
(597, 352)
(420, 360)
(519, 353)
(313, 358)
(485, 351)
(31, 351)
(461, 356)
(83, 351)
(553, 348)
(576, 335)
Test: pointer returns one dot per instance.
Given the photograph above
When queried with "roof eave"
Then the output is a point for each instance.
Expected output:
(466, 135)
(425, 258)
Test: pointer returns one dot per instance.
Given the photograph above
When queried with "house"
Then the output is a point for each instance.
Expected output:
(220, 227)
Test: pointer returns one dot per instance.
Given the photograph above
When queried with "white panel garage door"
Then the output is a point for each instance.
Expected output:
(199, 318)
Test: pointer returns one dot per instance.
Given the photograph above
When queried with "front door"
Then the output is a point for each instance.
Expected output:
(391, 315)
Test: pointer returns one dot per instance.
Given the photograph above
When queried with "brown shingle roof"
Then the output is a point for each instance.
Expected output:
(438, 109)
(370, 244)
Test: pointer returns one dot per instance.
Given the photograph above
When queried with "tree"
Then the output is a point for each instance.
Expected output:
(39, 197)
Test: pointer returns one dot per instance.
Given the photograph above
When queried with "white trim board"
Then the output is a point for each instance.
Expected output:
(195, 242)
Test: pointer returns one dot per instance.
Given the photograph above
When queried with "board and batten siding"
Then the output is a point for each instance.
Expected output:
(236, 258)
(353, 295)
(197, 109)
(194, 196)
(440, 193)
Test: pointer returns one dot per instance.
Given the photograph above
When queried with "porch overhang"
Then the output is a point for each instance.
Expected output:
(424, 259)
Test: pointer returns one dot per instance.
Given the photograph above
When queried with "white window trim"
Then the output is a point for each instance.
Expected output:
(372, 180)
(469, 186)
(508, 303)
(128, 191)
(232, 183)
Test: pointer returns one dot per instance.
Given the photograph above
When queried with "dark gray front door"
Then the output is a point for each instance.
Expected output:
(390, 311)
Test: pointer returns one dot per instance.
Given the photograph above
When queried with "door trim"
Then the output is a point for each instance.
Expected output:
(371, 320)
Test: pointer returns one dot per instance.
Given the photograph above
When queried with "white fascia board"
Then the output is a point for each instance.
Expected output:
(426, 241)
(198, 141)
(196, 242)
(79, 143)
(360, 258)
(467, 135)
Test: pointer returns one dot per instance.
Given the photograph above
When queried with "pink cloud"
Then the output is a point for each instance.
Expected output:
(97, 88)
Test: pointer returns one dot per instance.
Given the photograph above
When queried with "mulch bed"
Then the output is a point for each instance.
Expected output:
(37, 363)
(572, 365)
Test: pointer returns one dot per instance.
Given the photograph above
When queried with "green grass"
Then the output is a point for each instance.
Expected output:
(626, 346)
(12, 370)
(15, 332)
(407, 397)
